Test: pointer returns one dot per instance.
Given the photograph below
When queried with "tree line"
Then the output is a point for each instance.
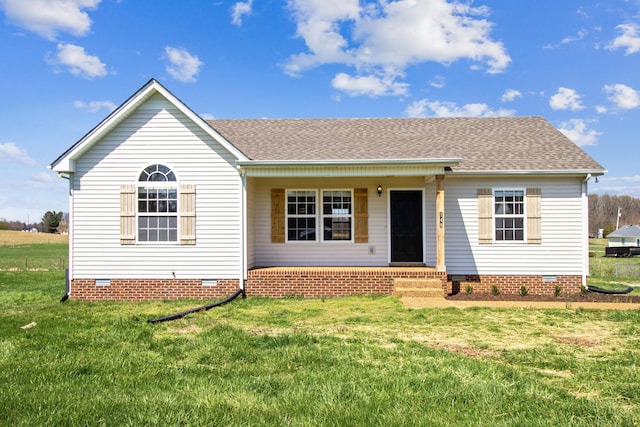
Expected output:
(51, 222)
(603, 212)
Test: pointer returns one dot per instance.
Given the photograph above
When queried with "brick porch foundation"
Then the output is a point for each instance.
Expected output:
(316, 282)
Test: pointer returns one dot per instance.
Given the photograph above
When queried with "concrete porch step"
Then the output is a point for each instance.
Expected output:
(419, 288)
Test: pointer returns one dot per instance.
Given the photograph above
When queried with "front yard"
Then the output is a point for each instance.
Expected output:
(347, 361)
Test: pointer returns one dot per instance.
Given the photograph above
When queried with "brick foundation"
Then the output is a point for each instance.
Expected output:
(315, 283)
(330, 282)
(150, 289)
(512, 284)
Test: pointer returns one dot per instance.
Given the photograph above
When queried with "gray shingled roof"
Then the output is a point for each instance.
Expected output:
(484, 144)
(626, 231)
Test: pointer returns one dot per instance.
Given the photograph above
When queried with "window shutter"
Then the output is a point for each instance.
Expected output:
(485, 216)
(127, 214)
(534, 216)
(361, 210)
(187, 207)
(277, 215)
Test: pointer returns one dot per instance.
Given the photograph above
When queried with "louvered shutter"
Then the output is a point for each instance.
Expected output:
(127, 214)
(534, 216)
(361, 211)
(187, 208)
(277, 215)
(485, 216)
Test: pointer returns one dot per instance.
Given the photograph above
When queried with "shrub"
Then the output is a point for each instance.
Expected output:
(557, 291)
(495, 290)
(469, 289)
(524, 291)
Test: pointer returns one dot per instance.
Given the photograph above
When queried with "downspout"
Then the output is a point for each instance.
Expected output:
(243, 229)
(585, 231)
(69, 270)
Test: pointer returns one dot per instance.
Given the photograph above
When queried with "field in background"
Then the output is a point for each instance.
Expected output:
(33, 251)
(12, 238)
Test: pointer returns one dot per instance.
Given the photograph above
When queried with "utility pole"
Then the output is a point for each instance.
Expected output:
(618, 219)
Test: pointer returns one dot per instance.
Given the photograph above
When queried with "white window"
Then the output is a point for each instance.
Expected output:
(301, 215)
(335, 218)
(157, 205)
(509, 215)
(337, 214)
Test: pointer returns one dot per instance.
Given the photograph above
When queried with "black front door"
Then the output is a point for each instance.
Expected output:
(406, 226)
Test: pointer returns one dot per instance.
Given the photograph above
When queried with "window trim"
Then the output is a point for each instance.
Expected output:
(173, 185)
(523, 215)
(319, 215)
(287, 215)
(351, 216)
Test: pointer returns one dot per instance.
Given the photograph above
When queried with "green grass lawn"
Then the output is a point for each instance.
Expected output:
(349, 361)
(612, 273)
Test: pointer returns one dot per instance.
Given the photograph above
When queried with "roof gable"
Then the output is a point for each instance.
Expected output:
(66, 161)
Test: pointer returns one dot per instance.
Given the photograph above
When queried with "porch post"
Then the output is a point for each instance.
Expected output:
(440, 266)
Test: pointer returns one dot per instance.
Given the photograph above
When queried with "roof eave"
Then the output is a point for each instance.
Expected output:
(575, 172)
(453, 161)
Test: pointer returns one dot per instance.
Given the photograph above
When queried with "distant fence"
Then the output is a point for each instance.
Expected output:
(627, 270)
(612, 267)
(34, 264)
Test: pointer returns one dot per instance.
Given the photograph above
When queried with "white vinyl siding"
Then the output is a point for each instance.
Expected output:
(560, 246)
(156, 133)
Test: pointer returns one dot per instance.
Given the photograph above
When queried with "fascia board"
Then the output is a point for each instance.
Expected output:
(349, 162)
(575, 172)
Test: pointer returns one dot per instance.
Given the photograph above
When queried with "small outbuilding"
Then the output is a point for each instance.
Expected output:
(628, 235)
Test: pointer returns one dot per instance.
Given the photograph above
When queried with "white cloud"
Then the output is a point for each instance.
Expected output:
(601, 109)
(78, 61)
(426, 108)
(576, 130)
(10, 152)
(438, 82)
(623, 96)
(566, 99)
(182, 65)
(384, 38)
(368, 85)
(95, 106)
(628, 40)
(510, 95)
(50, 17)
(239, 10)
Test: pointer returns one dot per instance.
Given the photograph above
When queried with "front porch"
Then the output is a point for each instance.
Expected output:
(319, 282)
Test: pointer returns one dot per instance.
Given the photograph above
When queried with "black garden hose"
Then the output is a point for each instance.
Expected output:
(201, 308)
(609, 291)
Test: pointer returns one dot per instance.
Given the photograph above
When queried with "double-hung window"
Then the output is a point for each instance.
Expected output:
(157, 205)
(337, 214)
(509, 215)
(301, 215)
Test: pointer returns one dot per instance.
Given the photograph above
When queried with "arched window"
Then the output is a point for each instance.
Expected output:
(157, 205)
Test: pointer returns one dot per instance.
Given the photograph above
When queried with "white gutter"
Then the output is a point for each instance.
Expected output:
(349, 162)
(577, 172)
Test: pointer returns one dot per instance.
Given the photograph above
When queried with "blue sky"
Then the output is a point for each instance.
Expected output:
(65, 64)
